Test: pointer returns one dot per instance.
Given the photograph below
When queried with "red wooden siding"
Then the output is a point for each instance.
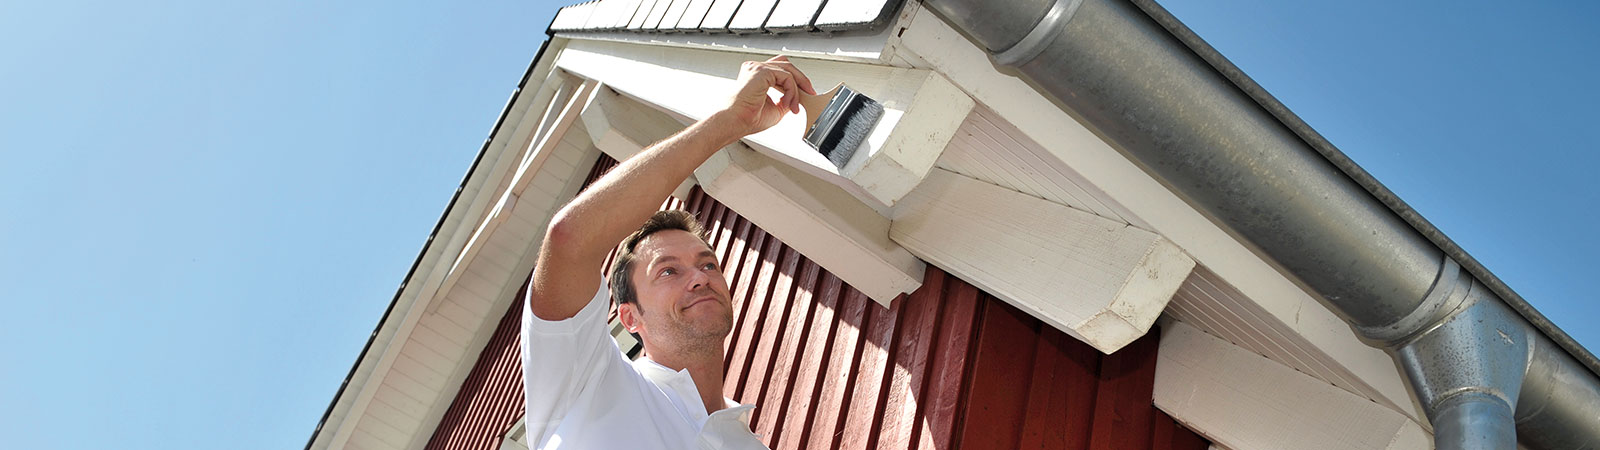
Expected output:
(490, 400)
(945, 367)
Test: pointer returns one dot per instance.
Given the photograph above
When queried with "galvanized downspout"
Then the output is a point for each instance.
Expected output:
(1484, 375)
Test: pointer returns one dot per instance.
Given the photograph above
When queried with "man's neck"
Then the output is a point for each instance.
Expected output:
(706, 371)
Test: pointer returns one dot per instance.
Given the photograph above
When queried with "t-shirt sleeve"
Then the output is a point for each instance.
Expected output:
(561, 359)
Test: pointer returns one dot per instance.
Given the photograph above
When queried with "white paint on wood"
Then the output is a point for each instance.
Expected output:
(674, 14)
(604, 15)
(532, 160)
(642, 14)
(842, 14)
(921, 109)
(693, 14)
(1244, 401)
(854, 47)
(817, 219)
(793, 15)
(719, 14)
(1099, 280)
(572, 17)
(1216, 307)
(988, 148)
(657, 11)
(751, 15)
(927, 39)
(627, 11)
(382, 433)
(422, 288)
(621, 127)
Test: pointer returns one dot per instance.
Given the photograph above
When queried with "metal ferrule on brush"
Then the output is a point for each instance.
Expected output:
(843, 125)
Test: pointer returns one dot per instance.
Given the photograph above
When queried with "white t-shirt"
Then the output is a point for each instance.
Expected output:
(583, 393)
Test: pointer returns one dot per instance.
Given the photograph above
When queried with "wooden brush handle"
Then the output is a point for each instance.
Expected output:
(813, 105)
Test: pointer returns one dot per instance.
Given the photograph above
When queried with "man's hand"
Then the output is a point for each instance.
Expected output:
(581, 236)
(750, 110)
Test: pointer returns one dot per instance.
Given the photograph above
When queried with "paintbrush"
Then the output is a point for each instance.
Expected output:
(838, 122)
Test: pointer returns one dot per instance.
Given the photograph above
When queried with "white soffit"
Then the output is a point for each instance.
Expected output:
(485, 250)
(921, 109)
(1099, 280)
(1244, 401)
(1280, 311)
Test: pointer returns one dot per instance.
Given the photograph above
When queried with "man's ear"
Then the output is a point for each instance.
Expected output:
(630, 322)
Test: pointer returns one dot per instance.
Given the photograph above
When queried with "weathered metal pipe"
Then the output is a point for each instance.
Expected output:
(1123, 70)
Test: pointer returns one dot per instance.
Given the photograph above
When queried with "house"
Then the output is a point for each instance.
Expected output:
(1075, 226)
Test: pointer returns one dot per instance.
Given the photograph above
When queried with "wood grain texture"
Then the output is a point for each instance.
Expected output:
(1123, 415)
(782, 380)
(753, 294)
(995, 399)
(1099, 280)
(952, 353)
(813, 364)
(780, 297)
(913, 343)
(1244, 400)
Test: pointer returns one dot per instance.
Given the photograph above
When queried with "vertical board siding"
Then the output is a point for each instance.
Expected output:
(490, 399)
(945, 367)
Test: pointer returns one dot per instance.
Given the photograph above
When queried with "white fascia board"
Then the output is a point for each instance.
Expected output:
(817, 219)
(479, 195)
(929, 42)
(1101, 281)
(922, 110)
(1245, 401)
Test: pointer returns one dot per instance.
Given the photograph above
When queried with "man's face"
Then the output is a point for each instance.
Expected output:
(681, 291)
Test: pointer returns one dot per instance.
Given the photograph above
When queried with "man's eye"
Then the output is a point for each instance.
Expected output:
(710, 266)
(668, 271)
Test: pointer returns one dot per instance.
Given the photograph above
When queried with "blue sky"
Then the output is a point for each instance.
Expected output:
(208, 206)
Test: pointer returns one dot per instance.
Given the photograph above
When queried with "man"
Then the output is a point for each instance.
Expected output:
(581, 392)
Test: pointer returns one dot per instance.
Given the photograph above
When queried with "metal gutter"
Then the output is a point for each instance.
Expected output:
(1485, 366)
(437, 226)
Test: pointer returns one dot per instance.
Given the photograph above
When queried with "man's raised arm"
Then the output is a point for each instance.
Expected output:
(580, 236)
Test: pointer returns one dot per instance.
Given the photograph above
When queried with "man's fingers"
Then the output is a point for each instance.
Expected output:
(785, 82)
(802, 81)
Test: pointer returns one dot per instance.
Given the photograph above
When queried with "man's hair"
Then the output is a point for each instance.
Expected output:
(621, 269)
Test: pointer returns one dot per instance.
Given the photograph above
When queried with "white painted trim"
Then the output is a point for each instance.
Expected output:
(860, 47)
(533, 159)
(515, 438)
(621, 127)
(1244, 401)
(1097, 279)
(931, 42)
(483, 198)
(921, 109)
(818, 219)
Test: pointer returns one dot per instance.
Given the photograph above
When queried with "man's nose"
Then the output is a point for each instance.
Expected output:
(699, 280)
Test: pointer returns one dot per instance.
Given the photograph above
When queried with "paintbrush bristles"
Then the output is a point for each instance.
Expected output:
(843, 124)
